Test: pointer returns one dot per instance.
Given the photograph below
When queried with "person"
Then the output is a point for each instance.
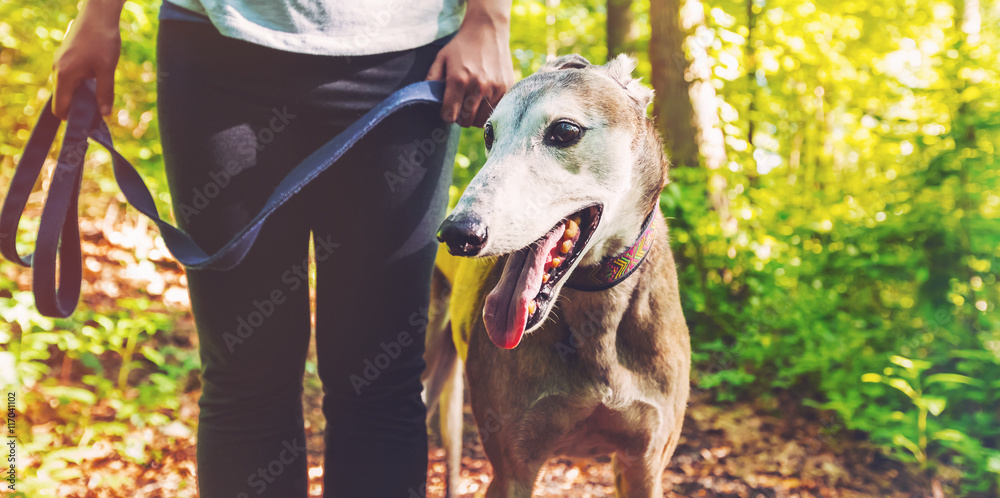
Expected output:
(246, 89)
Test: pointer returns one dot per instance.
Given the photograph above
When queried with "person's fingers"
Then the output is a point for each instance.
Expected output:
(106, 91)
(483, 114)
(454, 92)
(65, 85)
(503, 86)
(489, 102)
(470, 105)
(437, 69)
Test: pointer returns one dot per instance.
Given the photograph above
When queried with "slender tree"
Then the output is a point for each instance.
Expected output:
(672, 104)
(685, 105)
(621, 28)
(947, 247)
(969, 22)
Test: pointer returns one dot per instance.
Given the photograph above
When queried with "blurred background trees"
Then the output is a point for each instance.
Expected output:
(834, 205)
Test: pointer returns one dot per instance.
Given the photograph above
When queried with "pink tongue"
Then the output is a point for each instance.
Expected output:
(506, 310)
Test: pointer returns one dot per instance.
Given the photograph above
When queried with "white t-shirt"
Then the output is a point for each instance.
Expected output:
(333, 27)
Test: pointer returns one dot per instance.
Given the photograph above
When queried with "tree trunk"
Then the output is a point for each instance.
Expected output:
(621, 28)
(947, 248)
(672, 103)
(970, 24)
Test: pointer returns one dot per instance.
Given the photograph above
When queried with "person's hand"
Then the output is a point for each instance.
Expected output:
(475, 64)
(90, 49)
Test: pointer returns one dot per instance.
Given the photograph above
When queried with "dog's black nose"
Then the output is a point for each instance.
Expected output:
(465, 236)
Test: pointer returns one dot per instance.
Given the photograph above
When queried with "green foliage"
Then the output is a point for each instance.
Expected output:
(913, 430)
(138, 390)
(866, 224)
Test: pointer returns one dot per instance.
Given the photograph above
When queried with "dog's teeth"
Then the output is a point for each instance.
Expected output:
(556, 262)
(566, 247)
(572, 228)
(545, 277)
(531, 306)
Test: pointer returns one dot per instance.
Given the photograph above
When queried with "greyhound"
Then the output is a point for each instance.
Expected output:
(564, 307)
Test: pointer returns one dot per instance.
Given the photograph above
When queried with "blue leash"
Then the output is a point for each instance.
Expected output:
(58, 236)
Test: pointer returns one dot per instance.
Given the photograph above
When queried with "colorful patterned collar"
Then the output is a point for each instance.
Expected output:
(613, 270)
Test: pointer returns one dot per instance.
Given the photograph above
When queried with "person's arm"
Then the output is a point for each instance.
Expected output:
(90, 49)
(476, 64)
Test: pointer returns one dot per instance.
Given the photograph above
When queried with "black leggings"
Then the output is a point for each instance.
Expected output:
(234, 118)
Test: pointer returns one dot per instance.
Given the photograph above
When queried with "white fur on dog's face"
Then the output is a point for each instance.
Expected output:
(528, 186)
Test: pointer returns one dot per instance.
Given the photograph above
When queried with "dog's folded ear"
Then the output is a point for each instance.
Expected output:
(620, 69)
(571, 61)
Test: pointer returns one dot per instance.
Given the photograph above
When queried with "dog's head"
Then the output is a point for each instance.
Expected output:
(573, 167)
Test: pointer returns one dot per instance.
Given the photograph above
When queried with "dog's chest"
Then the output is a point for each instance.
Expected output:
(624, 430)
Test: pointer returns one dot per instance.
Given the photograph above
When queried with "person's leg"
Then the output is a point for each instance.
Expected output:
(381, 206)
(226, 143)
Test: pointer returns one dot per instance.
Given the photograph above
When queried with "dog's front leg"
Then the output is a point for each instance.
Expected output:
(524, 440)
(640, 477)
(512, 479)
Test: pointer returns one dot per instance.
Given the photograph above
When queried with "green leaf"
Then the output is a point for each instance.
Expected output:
(933, 404)
(153, 355)
(871, 377)
(950, 377)
(901, 440)
(993, 463)
(68, 393)
(901, 361)
(912, 366)
(903, 386)
(949, 435)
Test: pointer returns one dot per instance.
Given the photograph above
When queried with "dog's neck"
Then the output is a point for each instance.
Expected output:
(592, 331)
(612, 270)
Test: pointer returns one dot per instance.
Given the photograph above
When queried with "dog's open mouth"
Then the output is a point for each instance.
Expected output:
(525, 291)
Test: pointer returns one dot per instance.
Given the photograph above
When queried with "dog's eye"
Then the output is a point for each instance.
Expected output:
(488, 136)
(563, 134)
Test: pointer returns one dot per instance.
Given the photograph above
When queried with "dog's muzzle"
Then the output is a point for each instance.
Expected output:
(465, 236)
